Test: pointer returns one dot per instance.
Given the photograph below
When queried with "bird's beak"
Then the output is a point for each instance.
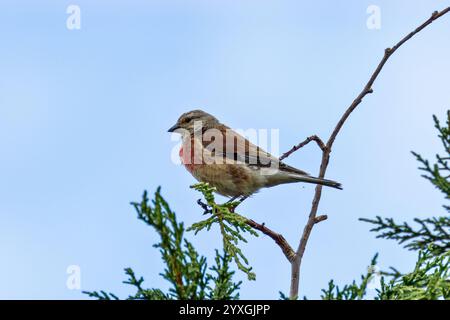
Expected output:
(173, 128)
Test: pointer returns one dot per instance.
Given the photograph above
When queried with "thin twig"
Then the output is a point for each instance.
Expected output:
(295, 265)
(302, 144)
(278, 238)
(320, 218)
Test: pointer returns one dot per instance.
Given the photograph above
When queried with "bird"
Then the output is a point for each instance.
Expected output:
(214, 153)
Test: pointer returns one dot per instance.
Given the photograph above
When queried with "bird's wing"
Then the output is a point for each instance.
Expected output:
(235, 147)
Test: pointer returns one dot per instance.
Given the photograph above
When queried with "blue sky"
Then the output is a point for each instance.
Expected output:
(84, 117)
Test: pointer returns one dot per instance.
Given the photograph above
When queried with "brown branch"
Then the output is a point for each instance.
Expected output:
(302, 144)
(278, 238)
(387, 54)
(320, 218)
(312, 220)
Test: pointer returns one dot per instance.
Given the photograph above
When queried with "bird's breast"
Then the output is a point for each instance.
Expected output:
(191, 155)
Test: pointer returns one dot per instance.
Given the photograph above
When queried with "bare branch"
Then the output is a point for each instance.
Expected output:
(304, 143)
(320, 218)
(312, 220)
(278, 238)
(368, 87)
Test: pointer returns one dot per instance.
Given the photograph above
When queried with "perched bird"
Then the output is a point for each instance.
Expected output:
(216, 154)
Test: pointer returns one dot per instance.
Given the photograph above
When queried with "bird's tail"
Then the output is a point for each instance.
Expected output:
(309, 179)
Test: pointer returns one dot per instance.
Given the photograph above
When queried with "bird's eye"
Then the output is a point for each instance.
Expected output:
(186, 120)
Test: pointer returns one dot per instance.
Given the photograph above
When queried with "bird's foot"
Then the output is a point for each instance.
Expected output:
(204, 206)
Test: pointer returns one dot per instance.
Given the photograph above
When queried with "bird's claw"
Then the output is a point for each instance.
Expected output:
(204, 207)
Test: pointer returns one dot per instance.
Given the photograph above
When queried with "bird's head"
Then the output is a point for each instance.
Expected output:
(194, 120)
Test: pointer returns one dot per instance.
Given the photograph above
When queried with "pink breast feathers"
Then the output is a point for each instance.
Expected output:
(187, 160)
